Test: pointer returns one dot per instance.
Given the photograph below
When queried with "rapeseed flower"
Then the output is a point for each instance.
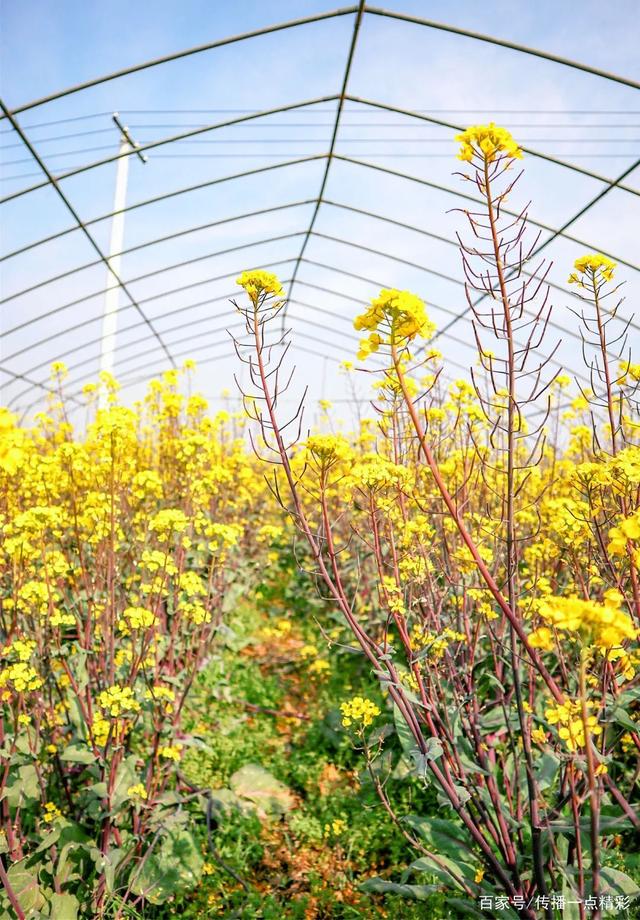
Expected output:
(358, 711)
(487, 142)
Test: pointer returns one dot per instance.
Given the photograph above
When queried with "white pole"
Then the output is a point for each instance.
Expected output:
(110, 317)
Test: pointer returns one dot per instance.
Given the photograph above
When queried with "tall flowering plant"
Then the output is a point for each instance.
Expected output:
(482, 547)
(118, 551)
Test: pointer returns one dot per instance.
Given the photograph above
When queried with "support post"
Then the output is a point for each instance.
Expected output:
(116, 243)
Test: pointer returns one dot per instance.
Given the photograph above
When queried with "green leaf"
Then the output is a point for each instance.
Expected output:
(126, 776)
(440, 866)
(622, 717)
(22, 786)
(547, 767)
(64, 907)
(616, 882)
(77, 753)
(440, 834)
(25, 885)
(414, 892)
(268, 794)
(174, 865)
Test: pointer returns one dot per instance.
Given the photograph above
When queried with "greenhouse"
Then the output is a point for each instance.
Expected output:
(319, 460)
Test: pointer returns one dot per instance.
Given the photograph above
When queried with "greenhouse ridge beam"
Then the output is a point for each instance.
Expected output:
(319, 17)
(178, 55)
(79, 222)
(332, 145)
(409, 113)
(163, 141)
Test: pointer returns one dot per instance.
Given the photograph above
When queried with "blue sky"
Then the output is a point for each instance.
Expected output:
(45, 47)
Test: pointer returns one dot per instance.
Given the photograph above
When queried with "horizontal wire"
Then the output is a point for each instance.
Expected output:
(381, 155)
(309, 124)
(341, 140)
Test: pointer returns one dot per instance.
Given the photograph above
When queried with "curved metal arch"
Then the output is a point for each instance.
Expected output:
(180, 327)
(529, 150)
(534, 223)
(553, 360)
(332, 14)
(135, 151)
(212, 279)
(504, 43)
(32, 383)
(448, 278)
(81, 226)
(353, 161)
(178, 55)
(183, 354)
(156, 241)
(164, 268)
(167, 195)
(96, 319)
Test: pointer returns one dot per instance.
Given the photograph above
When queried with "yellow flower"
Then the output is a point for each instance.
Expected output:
(486, 142)
(21, 677)
(258, 283)
(359, 711)
(604, 625)
(171, 752)
(595, 265)
(335, 828)
(319, 666)
(137, 791)
(569, 717)
(51, 813)
(478, 876)
(393, 318)
(538, 736)
(118, 701)
(136, 618)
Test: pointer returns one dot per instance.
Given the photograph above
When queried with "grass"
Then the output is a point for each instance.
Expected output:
(262, 701)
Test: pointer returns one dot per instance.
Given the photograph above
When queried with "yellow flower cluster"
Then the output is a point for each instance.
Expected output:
(171, 752)
(258, 283)
(335, 828)
(604, 625)
(51, 813)
(21, 677)
(393, 318)
(327, 449)
(568, 716)
(118, 701)
(627, 530)
(595, 265)
(136, 618)
(358, 711)
(137, 791)
(486, 142)
(168, 522)
(435, 645)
